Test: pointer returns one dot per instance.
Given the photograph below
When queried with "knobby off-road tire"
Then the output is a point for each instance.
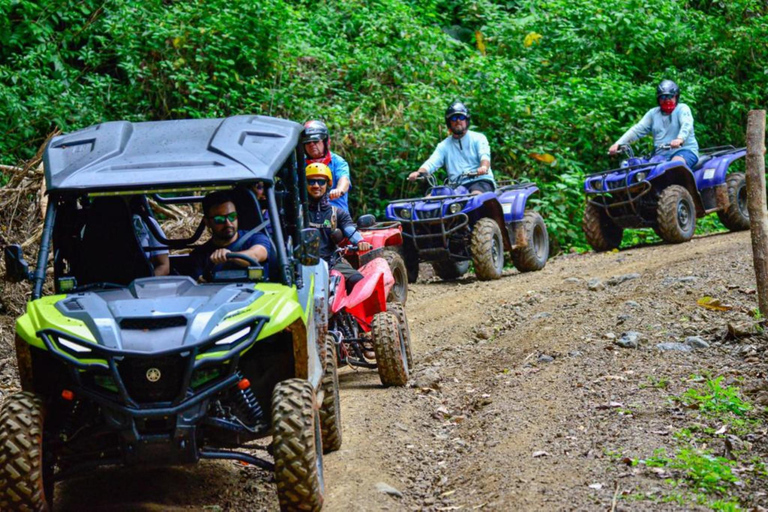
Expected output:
(736, 216)
(487, 249)
(398, 310)
(534, 255)
(330, 410)
(25, 483)
(676, 215)
(297, 446)
(411, 260)
(601, 233)
(399, 291)
(449, 270)
(391, 353)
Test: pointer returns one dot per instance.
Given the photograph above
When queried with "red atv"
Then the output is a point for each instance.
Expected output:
(387, 241)
(369, 332)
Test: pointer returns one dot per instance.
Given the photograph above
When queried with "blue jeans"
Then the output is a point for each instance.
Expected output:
(689, 156)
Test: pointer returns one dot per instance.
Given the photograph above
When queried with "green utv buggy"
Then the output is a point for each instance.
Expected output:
(119, 367)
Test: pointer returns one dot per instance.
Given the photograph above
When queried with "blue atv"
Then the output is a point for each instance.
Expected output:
(450, 227)
(667, 196)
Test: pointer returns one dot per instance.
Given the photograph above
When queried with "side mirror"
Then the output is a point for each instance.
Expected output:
(310, 247)
(16, 267)
(366, 221)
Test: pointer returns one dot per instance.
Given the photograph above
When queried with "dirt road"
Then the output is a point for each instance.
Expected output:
(522, 398)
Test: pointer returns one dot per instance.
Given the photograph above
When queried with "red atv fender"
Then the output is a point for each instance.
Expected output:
(369, 295)
(389, 234)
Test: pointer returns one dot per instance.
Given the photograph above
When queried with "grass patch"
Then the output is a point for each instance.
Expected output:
(716, 401)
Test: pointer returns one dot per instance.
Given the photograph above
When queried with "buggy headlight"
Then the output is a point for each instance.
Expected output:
(234, 337)
(455, 207)
(640, 176)
(405, 213)
(71, 345)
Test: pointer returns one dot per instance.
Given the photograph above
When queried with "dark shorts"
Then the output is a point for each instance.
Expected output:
(481, 186)
(688, 155)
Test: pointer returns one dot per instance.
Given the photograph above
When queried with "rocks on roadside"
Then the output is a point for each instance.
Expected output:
(673, 346)
(696, 342)
(388, 489)
(632, 304)
(629, 339)
(544, 358)
(617, 280)
(595, 285)
(572, 280)
(426, 378)
(483, 333)
(543, 314)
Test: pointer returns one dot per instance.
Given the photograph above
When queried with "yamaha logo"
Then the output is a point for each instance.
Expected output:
(153, 375)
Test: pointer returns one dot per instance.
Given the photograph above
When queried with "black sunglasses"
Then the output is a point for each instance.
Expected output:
(221, 219)
(458, 117)
(316, 181)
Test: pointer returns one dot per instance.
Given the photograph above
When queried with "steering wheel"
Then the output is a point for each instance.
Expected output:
(242, 256)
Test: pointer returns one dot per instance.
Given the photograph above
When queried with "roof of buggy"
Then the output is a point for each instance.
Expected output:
(123, 155)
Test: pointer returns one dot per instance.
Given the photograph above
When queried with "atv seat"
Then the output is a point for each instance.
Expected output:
(702, 160)
(109, 249)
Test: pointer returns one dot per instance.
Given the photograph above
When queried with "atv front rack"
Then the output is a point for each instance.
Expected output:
(448, 224)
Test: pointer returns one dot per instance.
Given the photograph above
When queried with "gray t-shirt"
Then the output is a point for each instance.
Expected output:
(665, 128)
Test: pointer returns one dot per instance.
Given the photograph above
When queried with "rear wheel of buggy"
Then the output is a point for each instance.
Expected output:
(601, 233)
(487, 249)
(398, 310)
(330, 410)
(532, 256)
(449, 270)
(736, 216)
(26, 480)
(390, 348)
(676, 215)
(399, 291)
(297, 446)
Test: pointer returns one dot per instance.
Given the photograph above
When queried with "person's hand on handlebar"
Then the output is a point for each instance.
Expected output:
(364, 246)
(613, 149)
(482, 170)
(415, 175)
(676, 143)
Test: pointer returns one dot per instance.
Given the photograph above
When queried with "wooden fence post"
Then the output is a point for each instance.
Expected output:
(756, 203)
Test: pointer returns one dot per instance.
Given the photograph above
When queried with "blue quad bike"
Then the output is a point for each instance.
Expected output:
(450, 227)
(667, 196)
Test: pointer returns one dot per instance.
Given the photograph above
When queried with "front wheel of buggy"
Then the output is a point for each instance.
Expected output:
(330, 410)
(297, 446)
(26, 481)
(601, 233)
(736, 216)
(533, 255)
(398, 310)
(391, 352)
(449, 270)
(399, 291)
(676, 215)
(487, 249)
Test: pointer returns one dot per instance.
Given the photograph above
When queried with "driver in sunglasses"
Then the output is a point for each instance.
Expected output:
(220, 216)
(462, 152)
(669, 123)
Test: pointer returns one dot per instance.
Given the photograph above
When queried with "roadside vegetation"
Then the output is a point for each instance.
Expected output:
(552, 84)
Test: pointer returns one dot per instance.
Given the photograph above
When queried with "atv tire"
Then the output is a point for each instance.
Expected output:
(330, 409)
(297, 446)
(449, 270)
(601, 233)
(532, 256)
(399, 291)
(487, 249)
(736, 216)
(391, 352)
(405, 331)
(25, 481)
(411, 259)
(676, 215)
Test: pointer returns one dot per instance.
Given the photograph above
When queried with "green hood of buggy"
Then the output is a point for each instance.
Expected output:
(156, 314)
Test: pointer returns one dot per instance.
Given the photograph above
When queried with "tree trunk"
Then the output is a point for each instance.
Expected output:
(756, 203)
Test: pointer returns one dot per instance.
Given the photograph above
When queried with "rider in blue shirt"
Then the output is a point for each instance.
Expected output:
(669, 123)
(317, 147)
(461, 152)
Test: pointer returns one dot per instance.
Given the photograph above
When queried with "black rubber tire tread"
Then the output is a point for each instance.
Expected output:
(386, 343)
(449, 270)
(411, 260)
(405, 330)
(399, 291)
(527, 259)
(484, 233)
(299, 487)
(667, 218)
(732, 217)
(330, 409)
(21, 454)
(602, 234)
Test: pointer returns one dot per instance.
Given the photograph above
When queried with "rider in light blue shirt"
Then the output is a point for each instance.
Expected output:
(462, 152)
(669, 123)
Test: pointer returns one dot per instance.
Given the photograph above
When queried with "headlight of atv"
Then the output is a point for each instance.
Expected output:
(72, 346)
(455, 207)
(640, 176)
(596, 184)
(405, 213)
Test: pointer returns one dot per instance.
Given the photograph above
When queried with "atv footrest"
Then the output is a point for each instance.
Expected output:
(242, 457)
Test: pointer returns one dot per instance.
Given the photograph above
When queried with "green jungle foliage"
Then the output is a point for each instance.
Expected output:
(551, 83)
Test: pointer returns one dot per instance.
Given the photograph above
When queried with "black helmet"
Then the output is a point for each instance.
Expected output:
(667, 87)
(456, 107)
(313, 131)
